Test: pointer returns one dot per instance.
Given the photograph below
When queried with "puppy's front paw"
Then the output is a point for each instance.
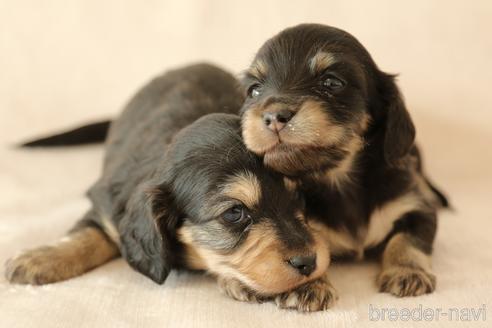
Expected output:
(318, 295)
(35, 267)
(238, 291)
(406, 281)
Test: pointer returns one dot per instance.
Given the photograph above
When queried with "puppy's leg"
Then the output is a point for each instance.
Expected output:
(406, 263)
(317, 295)
(238, 291)
(83, 249)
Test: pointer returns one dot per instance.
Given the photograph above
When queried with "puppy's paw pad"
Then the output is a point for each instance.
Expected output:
(31, 267)
(405, 281)
(238, 291)
(314, 296)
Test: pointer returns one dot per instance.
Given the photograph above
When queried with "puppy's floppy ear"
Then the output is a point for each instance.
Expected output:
(147, 231)
(399, 134)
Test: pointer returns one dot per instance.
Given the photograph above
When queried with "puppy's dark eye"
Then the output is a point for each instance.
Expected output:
(333, 83)
(235, 214)
(254, 90)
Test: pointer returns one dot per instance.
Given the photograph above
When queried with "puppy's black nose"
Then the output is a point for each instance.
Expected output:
(276, 121)
(304, 264)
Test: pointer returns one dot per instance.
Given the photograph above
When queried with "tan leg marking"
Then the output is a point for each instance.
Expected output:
(317, 295)
(72, 256)
(406, 269)
(239, 291)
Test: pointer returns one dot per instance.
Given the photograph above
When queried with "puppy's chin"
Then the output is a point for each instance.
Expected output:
(310, 141)
(268, 275)
(285, 154)
(295, 154)
(260, 263)
(273, 281)
(293, 160)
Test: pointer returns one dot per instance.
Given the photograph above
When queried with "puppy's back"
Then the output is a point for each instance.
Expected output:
(166, 105)
(139, 138)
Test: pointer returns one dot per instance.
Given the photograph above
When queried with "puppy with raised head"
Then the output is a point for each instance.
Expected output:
(319, 111)
(180, 190)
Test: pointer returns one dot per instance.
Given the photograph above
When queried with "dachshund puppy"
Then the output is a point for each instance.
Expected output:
(319, 111)
(180, 190)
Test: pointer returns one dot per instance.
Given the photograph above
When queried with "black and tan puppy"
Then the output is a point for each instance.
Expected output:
(319, 111)
(180, 190)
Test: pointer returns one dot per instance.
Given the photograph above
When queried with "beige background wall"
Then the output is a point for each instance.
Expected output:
(82, 59)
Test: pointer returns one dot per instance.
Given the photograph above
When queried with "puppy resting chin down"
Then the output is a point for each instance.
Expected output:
(180, 190)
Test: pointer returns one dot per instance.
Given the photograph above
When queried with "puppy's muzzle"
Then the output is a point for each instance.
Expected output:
(276, 120)
(305, 265)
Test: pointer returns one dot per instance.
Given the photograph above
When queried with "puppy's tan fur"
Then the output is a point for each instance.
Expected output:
(72, 256)
(244, 187)
(259, 261)
(406, 269)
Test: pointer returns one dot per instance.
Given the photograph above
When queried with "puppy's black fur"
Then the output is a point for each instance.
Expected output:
(320, 111)
(179, 189)
(87, 134)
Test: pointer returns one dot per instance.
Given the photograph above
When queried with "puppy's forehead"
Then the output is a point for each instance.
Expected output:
(245, 187)
(258, 69)
(321, 61)
(308, 46)
(263, 192)
(317, 61)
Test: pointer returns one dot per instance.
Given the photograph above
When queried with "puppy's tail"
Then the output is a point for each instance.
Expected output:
(86, 134)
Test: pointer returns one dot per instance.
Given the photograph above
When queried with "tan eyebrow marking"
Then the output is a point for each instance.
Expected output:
(321, 61)
(244, 187)
(290, 184)
(258, 69)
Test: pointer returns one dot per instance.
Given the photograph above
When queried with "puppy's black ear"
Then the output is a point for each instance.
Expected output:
(147, 231)
(399, 134)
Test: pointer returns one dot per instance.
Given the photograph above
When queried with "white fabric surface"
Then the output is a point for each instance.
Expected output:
(64, 62)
